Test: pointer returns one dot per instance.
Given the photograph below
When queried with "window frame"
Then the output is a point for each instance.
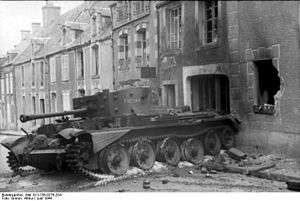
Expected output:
(65, 69)
(215, 21)
(95, 60)
(178, 30)
(52, 62)
(42, 74)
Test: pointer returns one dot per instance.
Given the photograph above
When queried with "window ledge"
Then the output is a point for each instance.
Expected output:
(95, 76)
(66, 80)
(264, 109)
(207, 46)
(80, 78)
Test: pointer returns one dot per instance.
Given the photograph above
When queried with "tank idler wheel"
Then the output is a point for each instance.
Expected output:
(101, 161)
(117, 159)
(228, 138)
(168, 151)
(143, 155)
(192, 150)
(212, 143)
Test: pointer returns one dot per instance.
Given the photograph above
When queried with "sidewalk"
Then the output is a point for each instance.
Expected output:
(11, 132)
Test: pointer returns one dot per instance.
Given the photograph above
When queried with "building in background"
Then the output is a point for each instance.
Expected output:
(135, 43)
(55, 66)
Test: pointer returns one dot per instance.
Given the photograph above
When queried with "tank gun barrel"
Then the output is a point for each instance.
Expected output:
(24, 118)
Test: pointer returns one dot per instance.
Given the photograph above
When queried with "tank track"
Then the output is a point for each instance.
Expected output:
(16, 168)
(76, 165)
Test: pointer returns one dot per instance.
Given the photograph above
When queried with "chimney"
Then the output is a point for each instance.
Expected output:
(35, 26)
(50, 13)
(25, 35)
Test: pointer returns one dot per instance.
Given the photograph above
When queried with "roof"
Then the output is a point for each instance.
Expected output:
(78, 14)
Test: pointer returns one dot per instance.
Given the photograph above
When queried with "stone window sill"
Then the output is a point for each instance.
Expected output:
(207, 46)
(264, 109)
(95, 76)
(80, 78)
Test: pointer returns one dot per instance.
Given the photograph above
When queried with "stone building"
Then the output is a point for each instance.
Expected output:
(56, 66)
(135, 43)
(216, 54)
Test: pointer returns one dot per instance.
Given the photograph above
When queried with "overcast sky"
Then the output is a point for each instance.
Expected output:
(18, 15)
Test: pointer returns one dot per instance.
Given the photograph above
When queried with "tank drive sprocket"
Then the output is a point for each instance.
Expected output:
(13, 163)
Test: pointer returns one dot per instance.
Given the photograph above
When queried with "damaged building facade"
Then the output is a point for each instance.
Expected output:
(239, 57)
(245, 55)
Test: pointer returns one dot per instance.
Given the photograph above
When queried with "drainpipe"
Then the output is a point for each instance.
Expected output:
(47, 82)
(15, 96)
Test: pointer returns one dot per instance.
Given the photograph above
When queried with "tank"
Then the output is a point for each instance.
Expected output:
(111, 131)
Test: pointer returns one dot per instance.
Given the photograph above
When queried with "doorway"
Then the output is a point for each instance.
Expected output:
(210, 93)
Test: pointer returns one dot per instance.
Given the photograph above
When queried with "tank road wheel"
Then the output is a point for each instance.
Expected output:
(212, 144)
(228, 138)
(192, 150)
(168, 151)
(143, 155)
(117, 159)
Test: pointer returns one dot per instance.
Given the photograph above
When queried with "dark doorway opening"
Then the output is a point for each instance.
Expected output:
(210, 93)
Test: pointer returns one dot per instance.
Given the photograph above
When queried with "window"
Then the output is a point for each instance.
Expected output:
(33, 74)
(81, 92)
(53, 102)
(169, 99)
(122, 10)
(52, 69)
(7, 83)
(80, 65)
(123, 48)
(22, 76)
(94, 27)
(138, 7)
(11, 83)
(267, 82)
(2, 86)
(42, 109)
(175, 32)
(141, 43)
(211, 21)
(95, 51)
(42, 73)
(66, 100)
(65, 67)
(33, 109)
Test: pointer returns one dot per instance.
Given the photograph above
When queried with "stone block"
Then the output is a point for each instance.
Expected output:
(234, 68)
(275, 62)
(264, 53)
(275, 51)
(232, 19)
(234, 56)
(249, 55)
(233, 31)
(233, 44)
(234, 81)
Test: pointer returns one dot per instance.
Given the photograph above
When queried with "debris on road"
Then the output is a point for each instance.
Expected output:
(165, 181)
(293, 185)
(236, 154)
(184, 164)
